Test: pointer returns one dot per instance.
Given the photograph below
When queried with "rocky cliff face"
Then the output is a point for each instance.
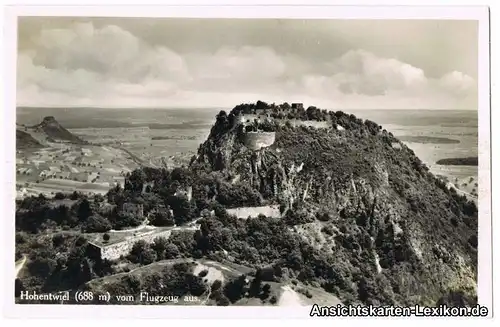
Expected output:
(396, 232)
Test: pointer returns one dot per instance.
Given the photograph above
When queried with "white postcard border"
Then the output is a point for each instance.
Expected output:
(485, 282)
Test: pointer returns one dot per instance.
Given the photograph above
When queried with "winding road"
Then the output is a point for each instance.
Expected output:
(289, 298)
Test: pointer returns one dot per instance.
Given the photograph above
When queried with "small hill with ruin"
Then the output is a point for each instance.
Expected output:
(48, 130)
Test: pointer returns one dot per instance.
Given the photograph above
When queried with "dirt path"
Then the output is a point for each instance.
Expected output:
(141, 226)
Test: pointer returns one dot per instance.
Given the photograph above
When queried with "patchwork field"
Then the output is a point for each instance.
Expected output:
(68, 168)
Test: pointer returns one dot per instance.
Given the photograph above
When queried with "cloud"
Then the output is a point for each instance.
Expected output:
(85, 65)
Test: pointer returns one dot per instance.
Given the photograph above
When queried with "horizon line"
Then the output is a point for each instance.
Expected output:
(225, 108)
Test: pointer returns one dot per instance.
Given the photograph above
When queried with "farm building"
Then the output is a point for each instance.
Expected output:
(55, 169)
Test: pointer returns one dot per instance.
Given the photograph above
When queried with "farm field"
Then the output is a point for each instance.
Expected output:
(68, 167)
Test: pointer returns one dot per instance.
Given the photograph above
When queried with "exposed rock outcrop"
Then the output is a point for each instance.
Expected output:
(397, 234)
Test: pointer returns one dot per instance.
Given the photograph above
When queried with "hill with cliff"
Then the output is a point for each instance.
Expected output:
(48, 130)
(383, 229)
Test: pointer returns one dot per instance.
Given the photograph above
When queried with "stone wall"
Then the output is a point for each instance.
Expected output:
(249, 119)
(114, 251)
(259, 140)
(310, 123)
(245, 212)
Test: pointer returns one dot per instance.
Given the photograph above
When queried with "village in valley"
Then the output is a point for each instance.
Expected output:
(68, 167)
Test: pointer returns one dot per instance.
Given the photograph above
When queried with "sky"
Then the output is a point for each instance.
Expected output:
(175, 62)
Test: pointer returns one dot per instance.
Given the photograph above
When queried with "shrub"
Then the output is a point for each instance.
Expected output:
(142, 253)
(171, 251)
(216, 285)
(162, 218)
(97, 224)
(159, 245)
(59, 196)
(222, 300)
(203, 273)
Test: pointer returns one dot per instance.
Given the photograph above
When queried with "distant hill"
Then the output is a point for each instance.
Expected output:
(26, 141)
(51, 127)
(49, 130)
(468, 161)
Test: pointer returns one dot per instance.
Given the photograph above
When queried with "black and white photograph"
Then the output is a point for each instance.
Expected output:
(310, 163)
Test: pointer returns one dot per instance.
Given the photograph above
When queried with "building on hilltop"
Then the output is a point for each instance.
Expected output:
(297, 105)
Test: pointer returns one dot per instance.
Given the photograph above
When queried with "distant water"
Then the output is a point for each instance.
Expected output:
(184, 129)
(461, 125)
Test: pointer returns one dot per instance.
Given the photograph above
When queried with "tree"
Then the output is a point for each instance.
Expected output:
(124, 219)
(266, 291)
(106, 237)
(195, 285)
(216, 285)
(84, 210)
(256, 283)
(18, 288)
(59, 196)
(238, 195)
(97, 224)
(222, 300)
(136, 180)
(142, 253)
(205, 213)
(285, 106)
(159, 245)
(133, 284)
(221, 119)
(162, 218)
(171, 251)
(74, 195)
(235, 288)
(183, 209)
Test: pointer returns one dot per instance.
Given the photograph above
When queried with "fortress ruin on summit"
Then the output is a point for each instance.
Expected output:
(259, 121)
